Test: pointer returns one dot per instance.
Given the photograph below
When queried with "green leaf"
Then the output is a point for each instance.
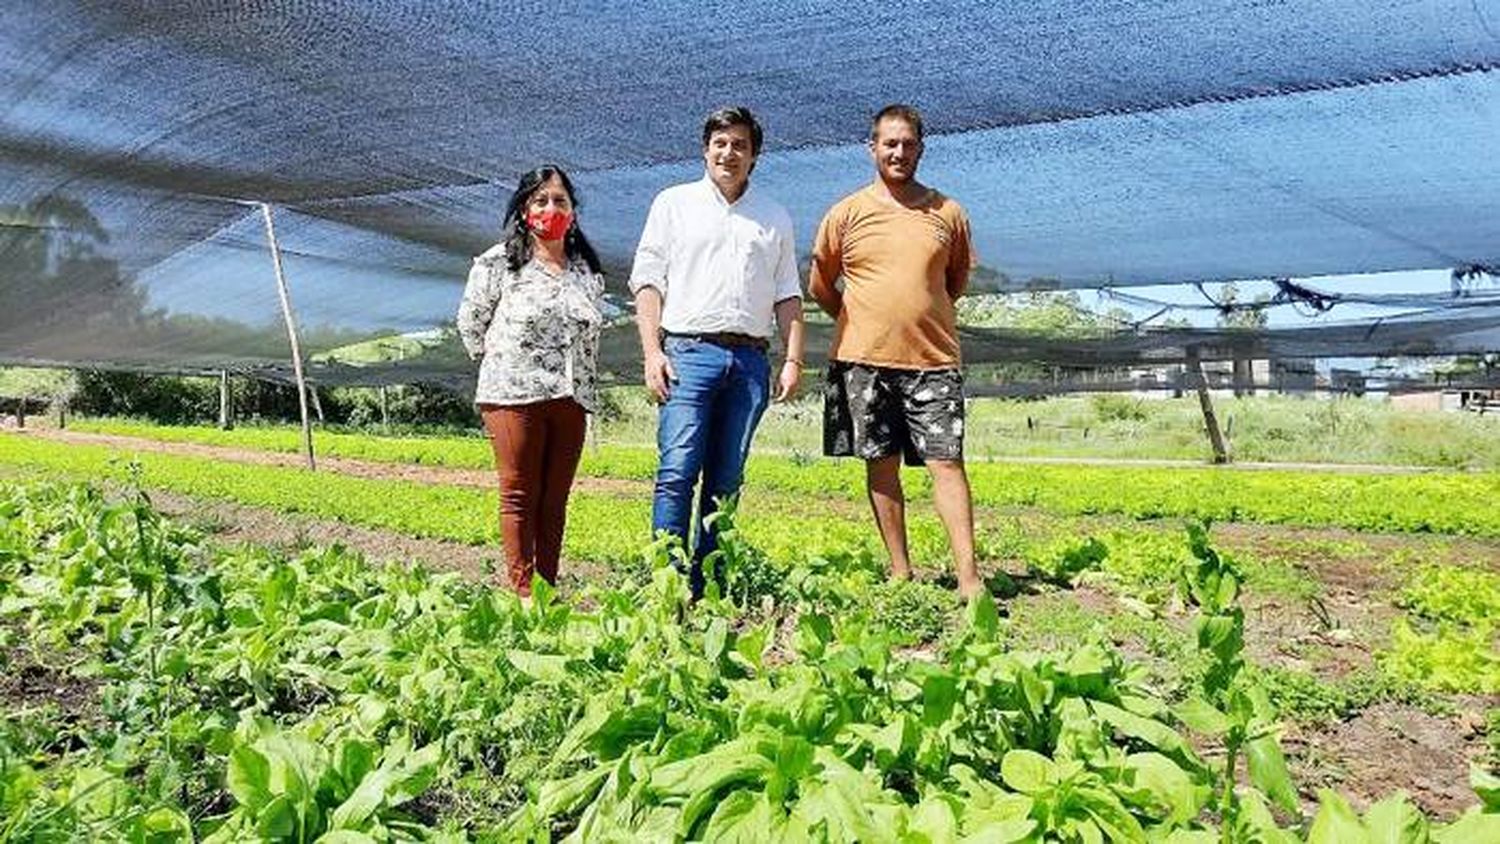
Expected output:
(794, 757)
(367, 798)
(1395, 820)
(1222, 635)
(1169, 784)
(1487, 786)
(1110, 815)
(568, 796)
(249, 777)
(715, 638)
(1036, 693)
(1193, 836)
(933, 821)
(294, 764)
(1150, 731)
(893, 742)
(277, 819)
(1255, 822)
(814, 632)
(846, 801)
(354, 759)
(728, 763)
(1201, 717)
(982, 617)
(97, 793)
(402, 775)
(1001, 832)
(751, 644)
(1269, 772)
(1472, 827)
(1027, 771)
(414, 773)
(164, 825)
(939, 695)
(743, 817)
(1336, 823)
(548, 668)
(345, 836)
(1228, 590)
(622, 728)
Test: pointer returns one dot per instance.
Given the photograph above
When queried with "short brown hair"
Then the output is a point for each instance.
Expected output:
(899, 111)
(728, 116)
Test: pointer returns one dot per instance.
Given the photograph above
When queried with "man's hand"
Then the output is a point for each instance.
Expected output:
(659, 375)
(788, 381)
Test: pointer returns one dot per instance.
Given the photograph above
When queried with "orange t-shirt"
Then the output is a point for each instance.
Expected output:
(902, 269)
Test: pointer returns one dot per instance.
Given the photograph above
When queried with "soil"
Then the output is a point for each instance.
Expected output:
(26, 682)
(1386, 748)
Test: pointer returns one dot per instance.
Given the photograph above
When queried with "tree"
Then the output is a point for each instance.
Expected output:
(1233, 314)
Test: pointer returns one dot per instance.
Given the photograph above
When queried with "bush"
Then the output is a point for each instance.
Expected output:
(1113, 408)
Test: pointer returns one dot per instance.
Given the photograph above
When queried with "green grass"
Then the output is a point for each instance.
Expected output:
(1258, 428)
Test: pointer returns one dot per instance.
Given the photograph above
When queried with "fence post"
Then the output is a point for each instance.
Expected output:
(226, 413)
(1210, 421)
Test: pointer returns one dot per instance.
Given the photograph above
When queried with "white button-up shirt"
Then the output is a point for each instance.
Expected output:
(719, 265)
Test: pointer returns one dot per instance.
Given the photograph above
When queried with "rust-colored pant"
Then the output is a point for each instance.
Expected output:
(537, 447)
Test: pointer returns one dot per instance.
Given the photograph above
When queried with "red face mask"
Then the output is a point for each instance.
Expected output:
(549, 224)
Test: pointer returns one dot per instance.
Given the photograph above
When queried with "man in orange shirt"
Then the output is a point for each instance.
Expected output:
(894, 384)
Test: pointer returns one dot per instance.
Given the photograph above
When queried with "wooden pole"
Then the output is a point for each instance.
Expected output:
(226, 415)
(1210, 421)
(317, 404)
(291, 333)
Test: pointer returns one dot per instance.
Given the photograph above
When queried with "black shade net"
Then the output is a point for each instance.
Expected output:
(1095, 145)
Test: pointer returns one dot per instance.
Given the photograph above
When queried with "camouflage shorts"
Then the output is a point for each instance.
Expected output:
(875, 411)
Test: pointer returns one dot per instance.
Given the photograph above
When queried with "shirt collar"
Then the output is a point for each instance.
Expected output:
(713, 190)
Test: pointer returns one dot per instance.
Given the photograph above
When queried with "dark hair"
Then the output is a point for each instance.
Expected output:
(728, 116)
(516, 235)
(899, 111)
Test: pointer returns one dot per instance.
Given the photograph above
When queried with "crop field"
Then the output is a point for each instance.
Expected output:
(202, 641)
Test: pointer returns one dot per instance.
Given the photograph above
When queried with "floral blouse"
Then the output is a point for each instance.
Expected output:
(535, 331)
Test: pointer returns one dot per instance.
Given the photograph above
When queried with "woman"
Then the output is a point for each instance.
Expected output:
(530, 314)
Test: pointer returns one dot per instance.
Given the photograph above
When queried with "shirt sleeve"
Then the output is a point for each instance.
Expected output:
(961, 256)
(827, 262)
(651, 254)
(477, 308)
(788, 285)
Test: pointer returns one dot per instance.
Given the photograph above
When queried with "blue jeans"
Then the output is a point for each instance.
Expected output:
(705, 429)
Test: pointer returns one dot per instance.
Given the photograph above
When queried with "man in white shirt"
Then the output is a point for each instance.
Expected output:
(715, 265)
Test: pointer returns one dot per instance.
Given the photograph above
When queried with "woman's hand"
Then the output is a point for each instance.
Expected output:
(659, 375)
